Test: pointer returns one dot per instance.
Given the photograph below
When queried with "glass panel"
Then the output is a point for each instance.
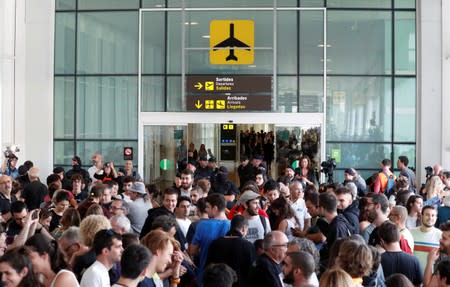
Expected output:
(107, 42)
(359, 109)
(153, 3)
(152, 97)
(198, 63)
(405, 43)
(205, 134)
(359, 42)
(311, 3)
(174, 43)
(107, 4)
(405, 109)
(359, 3)
(174, 100)
(311, 94)
(153, 42)
(409, 151)
(63, 152)
(65, 43)
(405, 4)
(64, 113)
(287, 95)
(311, 42)
(111, 151)
(162, 152)
(287, 42)
(197, 32)
(232, 3)
(358, 155)
(65, 5)
(107, 107)
(293, 142)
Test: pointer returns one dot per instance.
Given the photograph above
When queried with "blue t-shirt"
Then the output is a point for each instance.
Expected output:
(206, 232)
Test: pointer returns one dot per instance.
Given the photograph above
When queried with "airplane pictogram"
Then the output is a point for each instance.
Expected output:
(231, 42)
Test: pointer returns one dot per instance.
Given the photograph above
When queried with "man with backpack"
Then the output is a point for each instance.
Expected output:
(385, 180)
(258, 225)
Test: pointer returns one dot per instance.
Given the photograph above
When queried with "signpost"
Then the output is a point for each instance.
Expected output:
(211, 93)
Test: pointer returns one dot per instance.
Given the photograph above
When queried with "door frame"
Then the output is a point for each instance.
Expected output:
(183, 119)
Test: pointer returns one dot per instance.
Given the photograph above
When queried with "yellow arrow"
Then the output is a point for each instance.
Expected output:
(198, 105)
(199, 86)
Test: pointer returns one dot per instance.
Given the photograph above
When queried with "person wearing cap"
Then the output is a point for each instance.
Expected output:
(258, 225)
(203, 171)
(288, 177)
(138, 207)
(350, 175)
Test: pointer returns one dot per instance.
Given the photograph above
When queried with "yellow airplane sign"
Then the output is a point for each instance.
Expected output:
(231, 42)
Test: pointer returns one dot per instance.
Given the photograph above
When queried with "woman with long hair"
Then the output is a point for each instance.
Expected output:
(306, 172)
(17, 270)
(48, 261)
(414, 206)
(285, 219)
(70, 217)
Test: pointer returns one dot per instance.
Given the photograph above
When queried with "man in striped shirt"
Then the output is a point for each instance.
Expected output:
(426, 237)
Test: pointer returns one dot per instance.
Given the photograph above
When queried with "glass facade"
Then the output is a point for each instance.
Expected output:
(370, 94)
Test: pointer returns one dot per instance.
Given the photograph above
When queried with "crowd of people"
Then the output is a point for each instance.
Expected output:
(101, 227)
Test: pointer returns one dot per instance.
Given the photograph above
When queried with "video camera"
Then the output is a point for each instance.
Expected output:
(428, 171)
(10, 151)
(328, 167)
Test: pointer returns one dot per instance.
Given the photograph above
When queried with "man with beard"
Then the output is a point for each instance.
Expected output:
(426, 237)
(187, 180)
(298, 268)
(6, 198)
(258, 225)
(377, 207)
(438, 255)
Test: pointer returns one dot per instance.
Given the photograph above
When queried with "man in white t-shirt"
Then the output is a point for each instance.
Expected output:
(426, 237)
(258, 225)
(108, 249)
(299, 206)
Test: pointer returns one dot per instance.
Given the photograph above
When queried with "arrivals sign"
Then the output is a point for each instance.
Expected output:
(228, 93)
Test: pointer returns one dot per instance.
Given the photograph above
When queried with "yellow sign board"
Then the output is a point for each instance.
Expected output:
(231, 42)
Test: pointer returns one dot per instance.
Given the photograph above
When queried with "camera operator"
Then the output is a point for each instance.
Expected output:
(9, 166)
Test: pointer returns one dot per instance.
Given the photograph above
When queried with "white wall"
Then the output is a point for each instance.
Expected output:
(429, 75)
(446, 83)
(27, 107)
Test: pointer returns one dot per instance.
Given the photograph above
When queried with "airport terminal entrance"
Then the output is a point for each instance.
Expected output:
(166, 147)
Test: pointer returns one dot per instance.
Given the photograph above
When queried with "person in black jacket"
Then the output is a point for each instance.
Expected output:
(267, 269)
(170, 197)
(348, 206)
(234, 250)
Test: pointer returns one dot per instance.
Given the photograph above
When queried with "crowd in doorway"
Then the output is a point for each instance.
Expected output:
(101, 226)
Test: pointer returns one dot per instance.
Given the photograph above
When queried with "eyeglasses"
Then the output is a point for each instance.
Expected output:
(115, 208)
(280, 245)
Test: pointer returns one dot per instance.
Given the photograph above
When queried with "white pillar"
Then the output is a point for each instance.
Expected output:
(429, 77)
(26, 79)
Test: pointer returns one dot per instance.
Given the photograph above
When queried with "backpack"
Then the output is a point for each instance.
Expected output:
(389, 184)
(264, 223)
